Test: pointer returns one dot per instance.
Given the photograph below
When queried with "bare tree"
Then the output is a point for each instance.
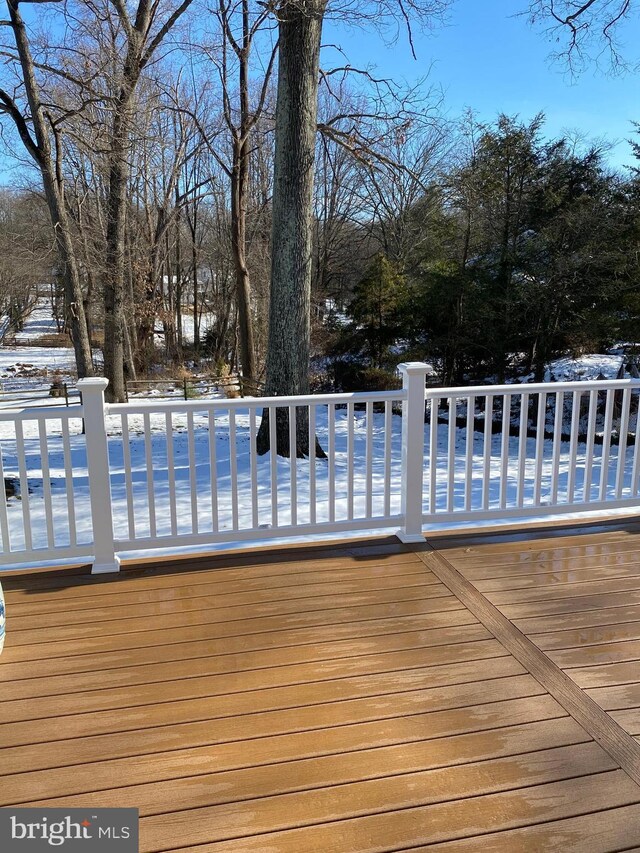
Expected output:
(592, 28)
(241, 23)
(26, 252)
(142, 40)
(399, 181)
(40, 133)
(162, 184)
(300, 29)
(340, 240)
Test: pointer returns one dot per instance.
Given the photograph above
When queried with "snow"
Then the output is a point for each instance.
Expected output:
(586, 367)
(44, 360)
(26, 370)
(192, 470)
(188, 325)
(624, 348)
(40, 322)
(192, 473)
(26, 374)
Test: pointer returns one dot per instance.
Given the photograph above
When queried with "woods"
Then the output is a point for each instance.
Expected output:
(203, 186)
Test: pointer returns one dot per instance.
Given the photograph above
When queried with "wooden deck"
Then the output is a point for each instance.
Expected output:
(577, 599)
(461, 695)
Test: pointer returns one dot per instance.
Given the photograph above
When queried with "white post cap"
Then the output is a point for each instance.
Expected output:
(97, 382)
(414, 367)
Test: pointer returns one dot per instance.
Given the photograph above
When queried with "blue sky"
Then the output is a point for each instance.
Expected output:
(488, 58)
(491, 60)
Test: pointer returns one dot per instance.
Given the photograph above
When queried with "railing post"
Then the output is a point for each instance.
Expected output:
(413, 383)
(92, 391)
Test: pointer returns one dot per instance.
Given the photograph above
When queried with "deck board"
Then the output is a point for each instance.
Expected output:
(584, 616)
(313, 595)
(321, 771)
(333, 803)
(557, 578)
(608, 831)
(444, 821)
(342, 698)
(146, 664)
(221, 674)
(592, 635)
(150, 636)
(194, 587)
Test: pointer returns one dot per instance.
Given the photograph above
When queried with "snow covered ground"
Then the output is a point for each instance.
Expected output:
(27, 370)
(39, 322)
(586, 367)
(188, 326)
(192, 473)
(192, 470)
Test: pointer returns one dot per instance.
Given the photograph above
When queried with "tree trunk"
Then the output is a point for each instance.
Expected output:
(194, 279)
(239, 182)
(114, 283)
(179, 279)
(169, 320)
(289, 342)
(130, 359)
(41, 151)
(75, 318)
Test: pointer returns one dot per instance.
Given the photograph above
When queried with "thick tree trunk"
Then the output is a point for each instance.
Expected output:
(114, 284)
(288, 349)
(239, 188)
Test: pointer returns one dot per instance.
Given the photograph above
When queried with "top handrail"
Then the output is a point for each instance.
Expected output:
(583, 385)
(358, 397)
(255, 402)
(39, 413)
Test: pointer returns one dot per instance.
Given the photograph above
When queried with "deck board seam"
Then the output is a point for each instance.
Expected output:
(394, 716)
(208, 590)
(382, 810)
(622, 747)
(364, 778)
(405, 741)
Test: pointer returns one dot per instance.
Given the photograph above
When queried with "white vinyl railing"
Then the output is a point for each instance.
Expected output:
(46, 513)
(168, 493)
(99, 480)
(523, 450)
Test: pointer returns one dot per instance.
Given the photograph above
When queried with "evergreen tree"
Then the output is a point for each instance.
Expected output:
(376, 309)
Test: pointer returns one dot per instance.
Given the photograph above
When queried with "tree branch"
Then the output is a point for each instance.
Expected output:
(163, 31)
(8, 106)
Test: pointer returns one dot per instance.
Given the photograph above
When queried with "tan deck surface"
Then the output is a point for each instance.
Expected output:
(338, 700)
(576, 599)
